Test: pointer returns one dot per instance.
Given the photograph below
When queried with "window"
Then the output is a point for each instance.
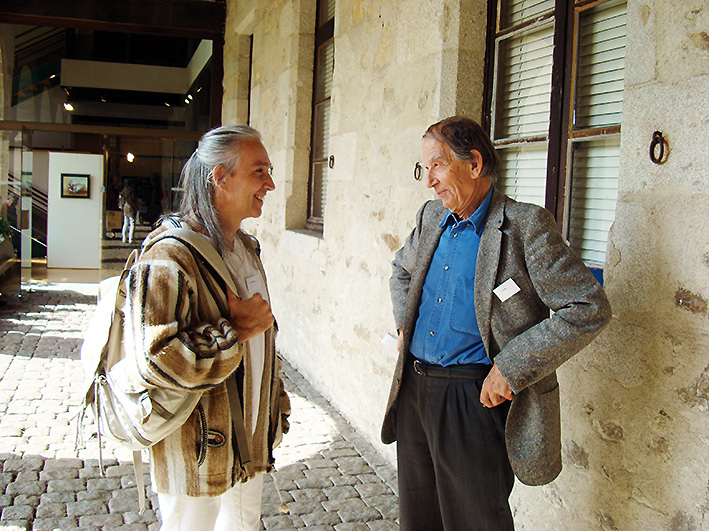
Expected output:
(322, 90)
(556, 71)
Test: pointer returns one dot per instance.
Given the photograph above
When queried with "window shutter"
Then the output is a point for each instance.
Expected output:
(594, 192)
(524, 84)
(523, 172)
(601, 66)
(514, 12)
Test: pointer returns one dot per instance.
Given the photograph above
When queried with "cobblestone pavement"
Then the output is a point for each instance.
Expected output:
(331, 478)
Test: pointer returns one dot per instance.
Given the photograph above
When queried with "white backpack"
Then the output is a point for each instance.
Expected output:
(124, 409)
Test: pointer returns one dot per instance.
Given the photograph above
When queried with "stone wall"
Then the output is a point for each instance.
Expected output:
(635, 403)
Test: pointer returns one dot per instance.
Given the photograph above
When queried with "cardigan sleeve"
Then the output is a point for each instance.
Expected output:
(174, 328)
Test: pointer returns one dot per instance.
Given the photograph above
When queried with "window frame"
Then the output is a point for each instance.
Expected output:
(324, 34)
(561, 135)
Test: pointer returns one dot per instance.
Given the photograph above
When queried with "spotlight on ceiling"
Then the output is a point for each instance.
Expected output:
(130, 157)
(68, 106)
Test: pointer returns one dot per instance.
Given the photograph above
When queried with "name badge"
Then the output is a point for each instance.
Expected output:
(253, 286)
(505, 290)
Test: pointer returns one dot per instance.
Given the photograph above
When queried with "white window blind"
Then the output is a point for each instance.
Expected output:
(595, 161)
(514, 12)
(523, 172)
(594, 192)
(327, 10)
(321, 128)
(601, 66)
(524, 84)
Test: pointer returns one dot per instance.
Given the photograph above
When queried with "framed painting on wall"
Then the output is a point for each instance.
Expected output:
(75, 185)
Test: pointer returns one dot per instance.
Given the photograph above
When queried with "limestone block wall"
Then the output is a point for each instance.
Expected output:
(635, 404)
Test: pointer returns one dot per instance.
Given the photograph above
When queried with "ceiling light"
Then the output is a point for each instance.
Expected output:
(187, 101)
(68, 106)
(167, 104)
(130, 157)
(189, 96)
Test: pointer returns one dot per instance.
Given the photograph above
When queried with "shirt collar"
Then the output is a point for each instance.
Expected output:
(477, 220)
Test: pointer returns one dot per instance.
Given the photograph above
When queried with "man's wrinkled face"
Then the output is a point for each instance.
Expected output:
(455, 181)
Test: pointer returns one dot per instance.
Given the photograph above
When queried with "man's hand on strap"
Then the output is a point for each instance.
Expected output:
(495, 389)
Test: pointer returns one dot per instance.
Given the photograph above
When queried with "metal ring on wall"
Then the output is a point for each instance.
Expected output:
(418, 171)
(657, 140)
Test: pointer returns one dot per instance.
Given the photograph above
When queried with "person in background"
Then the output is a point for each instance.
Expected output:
(489, 300)
(188, 331)
(128, 203)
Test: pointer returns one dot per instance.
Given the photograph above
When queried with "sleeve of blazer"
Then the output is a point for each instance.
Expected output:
(174, 347)
(564, 284)
(402, 266)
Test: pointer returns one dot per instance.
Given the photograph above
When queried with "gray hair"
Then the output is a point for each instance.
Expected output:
(461, 135)
(218, 147)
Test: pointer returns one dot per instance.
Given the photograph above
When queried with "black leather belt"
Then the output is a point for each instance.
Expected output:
(473, 371)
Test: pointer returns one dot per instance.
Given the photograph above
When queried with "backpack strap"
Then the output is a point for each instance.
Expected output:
(200, 243)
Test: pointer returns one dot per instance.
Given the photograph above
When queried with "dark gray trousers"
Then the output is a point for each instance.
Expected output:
(454, 474)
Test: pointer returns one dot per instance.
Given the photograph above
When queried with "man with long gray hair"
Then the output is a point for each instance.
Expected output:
(189, 331)
(475, 399)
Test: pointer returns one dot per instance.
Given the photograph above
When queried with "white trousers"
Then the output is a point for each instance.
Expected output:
(238, 509)
(128, 227)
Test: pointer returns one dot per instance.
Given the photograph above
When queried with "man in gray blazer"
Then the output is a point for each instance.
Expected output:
(489, 300)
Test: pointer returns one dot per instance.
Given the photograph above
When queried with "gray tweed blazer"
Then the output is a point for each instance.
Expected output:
(526, 340)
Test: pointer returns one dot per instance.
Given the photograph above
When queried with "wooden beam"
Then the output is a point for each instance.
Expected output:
(185, 18)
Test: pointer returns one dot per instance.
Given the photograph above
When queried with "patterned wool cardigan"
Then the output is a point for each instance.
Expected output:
(177, 328)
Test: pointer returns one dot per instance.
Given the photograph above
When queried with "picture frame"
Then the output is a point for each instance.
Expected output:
(76, 185)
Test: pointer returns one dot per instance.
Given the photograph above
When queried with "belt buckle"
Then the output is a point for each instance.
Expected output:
(417, 368)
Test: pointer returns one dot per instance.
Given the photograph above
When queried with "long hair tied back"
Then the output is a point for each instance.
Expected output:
(215, 148)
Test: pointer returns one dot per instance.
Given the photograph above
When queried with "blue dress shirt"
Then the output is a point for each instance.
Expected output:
(446, 331)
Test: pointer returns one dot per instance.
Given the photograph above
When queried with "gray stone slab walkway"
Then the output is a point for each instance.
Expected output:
(331, 478)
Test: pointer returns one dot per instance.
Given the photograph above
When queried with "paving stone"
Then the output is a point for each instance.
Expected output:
(58, 497)
(339, 493)
(19, 525)
(321, 518)
(26, 463)
(26, 499)
(372, 489)
(386, 504)
(103, 484)
(353, 526)
(51, 510)
(26, 487)
(17, 512)
(89, 507)
(100, 521)
(383, 525)
(49, 475)
(359, 515)
(329, 472)
(313, 483)
(305, 507)
(282, 523)
(66, 485)
(309, 494)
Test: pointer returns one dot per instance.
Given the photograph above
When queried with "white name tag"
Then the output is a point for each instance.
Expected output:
(254, 285)
(505, 290)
